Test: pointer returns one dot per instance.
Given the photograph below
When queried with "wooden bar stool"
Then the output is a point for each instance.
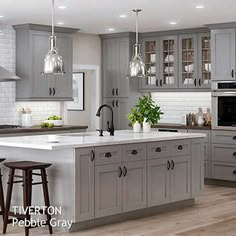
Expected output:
(1, 193)
(27, 168)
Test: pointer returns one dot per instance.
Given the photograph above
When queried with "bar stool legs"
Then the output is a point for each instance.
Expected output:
(1, 197)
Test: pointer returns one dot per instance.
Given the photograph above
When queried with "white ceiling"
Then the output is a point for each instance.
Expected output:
(96, 16)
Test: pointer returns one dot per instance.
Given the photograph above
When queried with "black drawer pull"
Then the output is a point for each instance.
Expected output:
(113, 92)
(117, 92)
(158, 149)
(108, 155)
(125, 171)
(134, 152)
(180, 147)
(113, 103)
(234, 154)
(120, 172)
(173, 165)
(234, 172)
(54, 91)
(92, 155)
(168, 165)
(234, 138)
(50, 91)
(232, 73)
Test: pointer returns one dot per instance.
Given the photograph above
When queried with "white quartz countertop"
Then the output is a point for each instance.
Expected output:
(89, 139)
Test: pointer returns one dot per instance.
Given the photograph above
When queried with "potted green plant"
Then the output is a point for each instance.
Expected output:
(150, 112)
(135, 119)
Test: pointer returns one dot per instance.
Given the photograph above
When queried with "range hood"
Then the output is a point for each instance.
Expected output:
(6, 76)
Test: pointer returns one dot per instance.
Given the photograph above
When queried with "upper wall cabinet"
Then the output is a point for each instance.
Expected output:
(177, 61)
(160, 56)
(223, 54)
(32, 44)
(116, 51)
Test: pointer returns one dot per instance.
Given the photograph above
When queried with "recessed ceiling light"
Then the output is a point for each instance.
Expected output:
(62, 7)
(60, 23)
(123, 16)
(200, 6)
(173, 23)
(111, 29)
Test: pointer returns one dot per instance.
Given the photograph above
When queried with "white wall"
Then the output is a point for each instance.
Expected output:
(174, 104)
(9, 109)
(87, 52)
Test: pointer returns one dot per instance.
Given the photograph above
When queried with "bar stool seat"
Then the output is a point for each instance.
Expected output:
(27, 168)
(1, 193)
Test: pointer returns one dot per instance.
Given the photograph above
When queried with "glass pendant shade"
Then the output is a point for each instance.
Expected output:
(137, 68)
(53, 62)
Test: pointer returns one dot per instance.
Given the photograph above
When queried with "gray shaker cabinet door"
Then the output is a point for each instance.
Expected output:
(84, 188)
(197, 173)
(223, 54)
(158, 182)
(63, 83)
(107, 190)
(39, 43)
(134, 186)
(180, 178)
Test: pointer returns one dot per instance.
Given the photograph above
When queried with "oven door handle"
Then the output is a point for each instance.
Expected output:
(224, 94)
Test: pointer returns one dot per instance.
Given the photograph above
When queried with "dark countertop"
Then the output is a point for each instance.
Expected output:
(39, 129)
(179, 126)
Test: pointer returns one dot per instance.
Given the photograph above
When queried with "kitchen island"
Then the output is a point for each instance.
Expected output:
(97, 180)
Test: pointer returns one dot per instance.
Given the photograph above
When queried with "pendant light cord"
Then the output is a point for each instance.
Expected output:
(52, 17)
(136, 27)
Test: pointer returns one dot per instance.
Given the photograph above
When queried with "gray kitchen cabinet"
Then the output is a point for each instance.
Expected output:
(158, 182)
(188, 61)
(204, 60)
(108, 190)
(180, 178)
(120, 109)
(223, 54)
(84, 188)
(115, 59)
(32, 45)
(134, 186)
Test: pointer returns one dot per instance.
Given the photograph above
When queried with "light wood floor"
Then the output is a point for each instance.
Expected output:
(214, 214)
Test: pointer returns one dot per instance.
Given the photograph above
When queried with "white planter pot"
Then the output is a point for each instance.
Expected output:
(146, 127)
(137, 127)
(26, 120)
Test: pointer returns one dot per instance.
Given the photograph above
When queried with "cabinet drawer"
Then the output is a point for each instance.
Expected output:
(224, 171)
(134, 152)
(224, 137)
(223, 153)
(107, 155)
(180, 148)
(158, 150)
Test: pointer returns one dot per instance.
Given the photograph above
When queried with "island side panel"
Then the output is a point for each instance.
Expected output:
(61, 181)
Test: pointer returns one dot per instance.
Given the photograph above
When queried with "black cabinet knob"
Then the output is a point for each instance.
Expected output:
(158, 149)
(234, 138)
(134, 152)
(180, 147)
(234, 172)
(108, 155)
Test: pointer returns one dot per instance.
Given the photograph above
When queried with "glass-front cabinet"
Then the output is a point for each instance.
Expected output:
(150, 48)
(188, 61)
(168, 62)
(204, 57)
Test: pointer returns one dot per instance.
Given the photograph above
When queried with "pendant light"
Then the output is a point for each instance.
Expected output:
(53, 62)
(137, 68)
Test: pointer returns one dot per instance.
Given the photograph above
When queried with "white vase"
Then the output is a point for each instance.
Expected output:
(26, 120)
(137, 127)
(146, 127)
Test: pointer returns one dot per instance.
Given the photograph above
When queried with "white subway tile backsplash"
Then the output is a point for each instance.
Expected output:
(9, 109)
(174, 104)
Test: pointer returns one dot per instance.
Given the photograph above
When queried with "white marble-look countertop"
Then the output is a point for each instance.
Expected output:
(89, 139)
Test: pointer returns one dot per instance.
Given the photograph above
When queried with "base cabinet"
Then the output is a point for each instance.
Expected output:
(84, 189)
(134, 186)
(108, 190)
(111, 180)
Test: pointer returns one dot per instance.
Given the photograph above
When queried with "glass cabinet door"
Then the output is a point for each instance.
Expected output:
(150, 53)
(188, 61)
(168, 62)
(204, 43)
